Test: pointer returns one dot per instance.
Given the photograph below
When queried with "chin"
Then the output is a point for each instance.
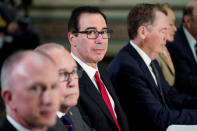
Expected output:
(49, 122)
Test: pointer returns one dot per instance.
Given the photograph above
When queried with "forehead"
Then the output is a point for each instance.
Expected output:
(91, 20)
(30, 73)
(63, 60)
(170, 14)
(160, 20)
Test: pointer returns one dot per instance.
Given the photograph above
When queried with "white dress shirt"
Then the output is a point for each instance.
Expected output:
(191, 40)
(145, 58)
(16, 124)
(91, 72)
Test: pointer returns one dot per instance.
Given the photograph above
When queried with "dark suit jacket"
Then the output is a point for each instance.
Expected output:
(59, 126)
(79, 123)
(93, 108)
(6, 126)
(141, 99)
(184, 63)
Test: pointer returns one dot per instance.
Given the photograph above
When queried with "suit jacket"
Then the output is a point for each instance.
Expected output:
(93, 108)
(140, 96)
(169, 75)
(6, 126)
(59, 126)
(79, 123)
(184, 63)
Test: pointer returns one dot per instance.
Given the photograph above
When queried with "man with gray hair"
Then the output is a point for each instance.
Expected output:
(147, 99)
(68, 85)
(29, 90)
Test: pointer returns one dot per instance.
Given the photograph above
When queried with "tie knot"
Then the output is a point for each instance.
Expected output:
(152, 64)
(96, 75)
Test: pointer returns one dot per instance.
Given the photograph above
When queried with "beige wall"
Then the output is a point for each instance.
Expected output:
(105, 2)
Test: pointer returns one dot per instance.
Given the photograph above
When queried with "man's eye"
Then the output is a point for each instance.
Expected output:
(36, 87)
(91, 32)
(104, 31)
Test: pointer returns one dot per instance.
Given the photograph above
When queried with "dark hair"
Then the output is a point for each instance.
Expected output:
(73, 22)
(187, 11)
(141, 14)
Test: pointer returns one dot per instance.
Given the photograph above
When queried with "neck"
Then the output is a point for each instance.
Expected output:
(150, 53)
(24, 123)
(193, 34)
(39, 129)
(64, 109)
(92, 64)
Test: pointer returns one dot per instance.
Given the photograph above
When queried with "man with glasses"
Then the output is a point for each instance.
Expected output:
(88, 35)
(68, 85)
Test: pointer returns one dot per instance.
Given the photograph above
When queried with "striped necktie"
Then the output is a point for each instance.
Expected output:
(68, 122)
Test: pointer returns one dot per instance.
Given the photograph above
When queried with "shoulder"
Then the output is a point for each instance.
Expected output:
(6, 126)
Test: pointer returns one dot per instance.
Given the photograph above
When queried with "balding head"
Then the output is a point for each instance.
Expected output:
(29, 90)
(66, 65)
(16, 63)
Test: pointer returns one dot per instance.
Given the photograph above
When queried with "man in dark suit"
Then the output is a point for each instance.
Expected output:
(68, 85)
(148, 101)
(28, 81)
(88, 35)
(183, 51)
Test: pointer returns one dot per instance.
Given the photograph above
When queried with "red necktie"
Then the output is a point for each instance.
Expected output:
(105, 97)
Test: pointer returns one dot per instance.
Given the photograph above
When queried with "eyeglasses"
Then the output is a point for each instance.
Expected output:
(93, 34)
(65, 76)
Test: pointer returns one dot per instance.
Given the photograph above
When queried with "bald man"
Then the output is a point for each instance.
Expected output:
(30, 93)
(68, 83)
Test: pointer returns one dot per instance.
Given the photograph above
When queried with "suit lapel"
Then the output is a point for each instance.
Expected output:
(186, 46)
(7, 126)
(144, 68)
(88, 87)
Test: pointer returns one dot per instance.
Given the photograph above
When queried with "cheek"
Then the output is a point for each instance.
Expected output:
(62, 88)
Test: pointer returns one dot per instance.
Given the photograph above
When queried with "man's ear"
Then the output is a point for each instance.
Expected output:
(142, 32)
(7, 97)
(72, 39)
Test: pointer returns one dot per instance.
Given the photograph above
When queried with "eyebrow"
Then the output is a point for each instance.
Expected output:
(95, 28)
(64, 69)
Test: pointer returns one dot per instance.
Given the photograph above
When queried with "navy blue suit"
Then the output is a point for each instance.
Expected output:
(6, 126)
(93, 108)
(184, 63)
(141, 99)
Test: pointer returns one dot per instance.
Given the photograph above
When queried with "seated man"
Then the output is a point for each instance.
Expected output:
(88, 34)
(184, 51)
(68, 85)
(148, 101)
(29, 90)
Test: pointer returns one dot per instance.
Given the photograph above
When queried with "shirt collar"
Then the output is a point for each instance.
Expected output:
(190, 38)
(16, 124)
(88, 69)
(143, 55)
(60, 114)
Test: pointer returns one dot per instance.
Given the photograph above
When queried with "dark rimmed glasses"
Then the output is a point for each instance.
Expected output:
(93, 34)
(65, 76)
